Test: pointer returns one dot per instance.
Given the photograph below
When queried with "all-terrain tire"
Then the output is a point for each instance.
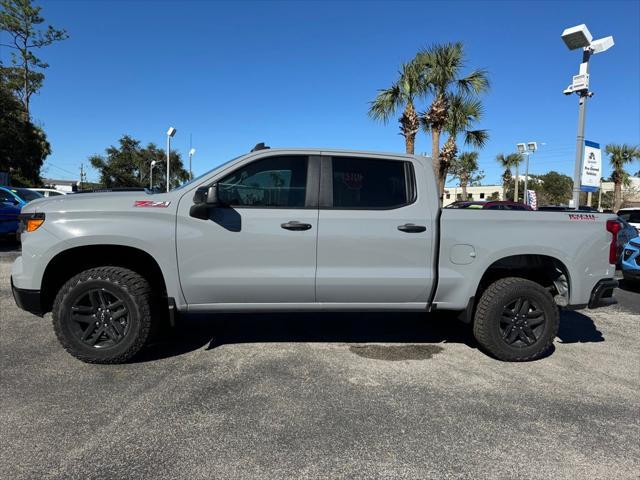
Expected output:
(134, 294)
(490, 324)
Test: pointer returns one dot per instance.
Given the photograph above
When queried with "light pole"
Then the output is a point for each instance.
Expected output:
(191, 154)
(153, 164)
(170, 133)
(574, 38)
(527, 149)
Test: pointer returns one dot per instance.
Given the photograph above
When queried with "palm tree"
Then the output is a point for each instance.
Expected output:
(511, 160)
(619, 156)
(442, 65)
(463, 112)
(465, 168)
(402, 94)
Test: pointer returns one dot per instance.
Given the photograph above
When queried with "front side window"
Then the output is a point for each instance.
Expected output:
(369, 183)
(270, 182)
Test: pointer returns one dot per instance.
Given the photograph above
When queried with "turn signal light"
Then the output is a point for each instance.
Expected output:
(34, 223)
(30, 222)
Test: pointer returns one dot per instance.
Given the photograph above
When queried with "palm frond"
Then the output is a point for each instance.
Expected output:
(474, 83)
(386, 103)
(476, 138)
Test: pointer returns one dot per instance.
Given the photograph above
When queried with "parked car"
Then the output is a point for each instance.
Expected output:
(565, 208)
(12, 199)
(631, 261)
(490, 205)
(631, 215)
(48, 192)
(9, 211)
(305, 230)
(627, 233)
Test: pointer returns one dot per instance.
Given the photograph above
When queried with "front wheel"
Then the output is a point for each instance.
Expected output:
(516, 320)
(103, 315)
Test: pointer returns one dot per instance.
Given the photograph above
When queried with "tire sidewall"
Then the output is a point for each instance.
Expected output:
(64, 321)
(542, 299)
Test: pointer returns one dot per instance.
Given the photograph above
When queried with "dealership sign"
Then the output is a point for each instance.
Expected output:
(591, 167)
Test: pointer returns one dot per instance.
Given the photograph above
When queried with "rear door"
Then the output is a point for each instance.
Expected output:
(375, 231)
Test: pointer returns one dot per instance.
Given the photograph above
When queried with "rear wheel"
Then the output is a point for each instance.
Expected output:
(516, 320)
(103, 315)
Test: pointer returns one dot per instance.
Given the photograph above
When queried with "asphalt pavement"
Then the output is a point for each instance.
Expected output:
(322, 396)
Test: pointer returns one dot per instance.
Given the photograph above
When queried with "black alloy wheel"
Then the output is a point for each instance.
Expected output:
(99, 318)
(522, 322)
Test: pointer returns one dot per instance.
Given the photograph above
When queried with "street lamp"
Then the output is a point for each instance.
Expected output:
(170, 133)
(191, 154)
(153, 164)
(527, 149)
(575, 38)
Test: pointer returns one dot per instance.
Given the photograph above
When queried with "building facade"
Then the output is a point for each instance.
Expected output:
(480, 193)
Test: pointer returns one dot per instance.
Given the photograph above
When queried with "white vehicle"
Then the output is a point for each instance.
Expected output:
(48, 192)
(631, 216)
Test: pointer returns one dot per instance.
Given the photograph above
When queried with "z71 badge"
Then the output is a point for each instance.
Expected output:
(150, 204)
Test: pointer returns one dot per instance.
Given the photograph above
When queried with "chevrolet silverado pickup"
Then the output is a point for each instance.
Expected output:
(305, 230)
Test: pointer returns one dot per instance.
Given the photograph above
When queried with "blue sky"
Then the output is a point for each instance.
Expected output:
(302, 74)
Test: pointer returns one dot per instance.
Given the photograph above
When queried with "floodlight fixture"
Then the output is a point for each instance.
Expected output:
(521, 147)
(532, 146)
(577, 37)
(171, 132)
(192, 152)
(602, 45)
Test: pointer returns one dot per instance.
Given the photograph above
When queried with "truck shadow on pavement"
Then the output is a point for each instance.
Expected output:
(418, 331)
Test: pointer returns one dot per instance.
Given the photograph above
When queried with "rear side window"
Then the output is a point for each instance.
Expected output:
(271, 182)
(367, 183)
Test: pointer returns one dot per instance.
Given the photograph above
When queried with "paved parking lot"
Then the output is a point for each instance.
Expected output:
(322, 396)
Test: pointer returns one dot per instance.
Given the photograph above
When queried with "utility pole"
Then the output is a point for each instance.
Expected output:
(515, 191)
(81, 176)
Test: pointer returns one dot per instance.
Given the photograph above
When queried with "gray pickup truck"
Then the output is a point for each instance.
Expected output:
(305, 230)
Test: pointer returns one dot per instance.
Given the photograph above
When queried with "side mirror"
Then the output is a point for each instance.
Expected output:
(204, 199)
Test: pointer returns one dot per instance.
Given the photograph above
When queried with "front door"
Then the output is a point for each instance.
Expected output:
(260, 247)
(376, 231)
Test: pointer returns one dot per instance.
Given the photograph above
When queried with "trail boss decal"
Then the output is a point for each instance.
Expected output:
(582, 216)
(150, 204)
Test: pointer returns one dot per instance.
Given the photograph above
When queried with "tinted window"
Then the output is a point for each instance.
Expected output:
(26, 194)
(369, 183)
(54, 194)
(271, 182)
(632, 216)
(494, 207)
(6, 197)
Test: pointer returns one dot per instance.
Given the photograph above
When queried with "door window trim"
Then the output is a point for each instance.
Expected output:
(325, 200)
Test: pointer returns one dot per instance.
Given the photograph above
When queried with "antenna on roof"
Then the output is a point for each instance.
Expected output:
(259, 146)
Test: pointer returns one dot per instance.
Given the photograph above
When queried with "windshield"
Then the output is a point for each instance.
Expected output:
(25, 194)
(199, 177)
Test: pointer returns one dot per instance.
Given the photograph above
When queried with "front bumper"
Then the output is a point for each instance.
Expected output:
(29, 300)
(602, 293)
